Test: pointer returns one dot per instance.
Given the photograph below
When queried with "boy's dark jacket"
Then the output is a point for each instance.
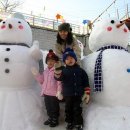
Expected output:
(74, 80)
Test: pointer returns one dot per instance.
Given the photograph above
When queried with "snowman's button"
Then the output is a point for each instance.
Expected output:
(7, 49)
(128, 70)
(6, 59)
(6, 70)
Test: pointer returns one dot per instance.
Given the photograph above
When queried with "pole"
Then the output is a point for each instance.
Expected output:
(117, 14)
(104, 11)
(127, 11)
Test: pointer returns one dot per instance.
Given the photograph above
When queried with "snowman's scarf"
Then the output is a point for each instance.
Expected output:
(98, 78)
(18, 44)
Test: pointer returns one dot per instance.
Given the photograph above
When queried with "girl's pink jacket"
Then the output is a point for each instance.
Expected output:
(49, 85)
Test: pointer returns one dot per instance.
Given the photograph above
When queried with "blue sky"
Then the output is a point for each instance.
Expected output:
(74, 10)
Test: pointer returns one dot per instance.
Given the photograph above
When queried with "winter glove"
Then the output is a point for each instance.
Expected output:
(59, 95)
(58, 68)
(34, 71)
(86, 95)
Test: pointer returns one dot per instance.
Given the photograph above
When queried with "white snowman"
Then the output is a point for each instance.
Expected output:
(108, 68)
(20, 103)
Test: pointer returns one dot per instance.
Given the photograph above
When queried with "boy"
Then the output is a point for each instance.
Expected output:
(75, 88)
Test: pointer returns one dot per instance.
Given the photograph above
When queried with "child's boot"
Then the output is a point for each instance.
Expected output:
(69, 126)
(47, 122)
(54, 122)
(78, 127)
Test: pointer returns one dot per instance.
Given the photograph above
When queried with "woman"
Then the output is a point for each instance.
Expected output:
(65, 39)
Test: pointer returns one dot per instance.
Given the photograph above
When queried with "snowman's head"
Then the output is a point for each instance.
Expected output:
(15, 30)
(108, 32)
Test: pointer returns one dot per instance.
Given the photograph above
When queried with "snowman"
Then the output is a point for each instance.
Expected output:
(20, 103)
(108, 68)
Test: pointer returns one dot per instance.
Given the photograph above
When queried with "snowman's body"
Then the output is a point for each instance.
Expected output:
(20, 101)
(12, 71)
(110, 108)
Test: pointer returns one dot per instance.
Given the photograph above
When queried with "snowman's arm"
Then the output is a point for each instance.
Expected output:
(37, 55)
(35, 52)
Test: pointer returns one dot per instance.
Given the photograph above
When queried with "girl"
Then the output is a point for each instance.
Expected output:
(51, 89)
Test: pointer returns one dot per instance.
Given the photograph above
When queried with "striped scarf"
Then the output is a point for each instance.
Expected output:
(98, 78)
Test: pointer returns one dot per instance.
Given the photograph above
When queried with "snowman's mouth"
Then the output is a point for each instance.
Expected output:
(10, 26)
(18, 44)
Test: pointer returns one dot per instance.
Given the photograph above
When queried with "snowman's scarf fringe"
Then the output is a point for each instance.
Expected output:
(18, 44)
(98, 78)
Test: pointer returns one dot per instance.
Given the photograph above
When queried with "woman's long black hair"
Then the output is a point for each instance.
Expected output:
(69, 39)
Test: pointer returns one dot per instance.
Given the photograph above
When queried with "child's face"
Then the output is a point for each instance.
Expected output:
(70, 61)
(50, 63)
(63, 34)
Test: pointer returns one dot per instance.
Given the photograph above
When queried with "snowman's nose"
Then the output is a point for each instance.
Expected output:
(10, 26)
(119, 25)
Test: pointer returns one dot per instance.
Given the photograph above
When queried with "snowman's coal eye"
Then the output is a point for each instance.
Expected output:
(121, 22)
(112, 21)
(19, 22)
(3, 22)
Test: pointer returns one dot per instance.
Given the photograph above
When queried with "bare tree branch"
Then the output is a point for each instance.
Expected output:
(9, 5)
